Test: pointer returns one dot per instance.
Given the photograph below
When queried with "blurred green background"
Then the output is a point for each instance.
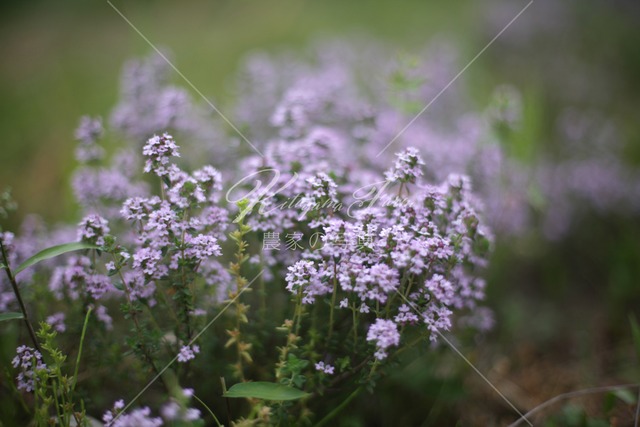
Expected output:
(562, 307)
(63, 60)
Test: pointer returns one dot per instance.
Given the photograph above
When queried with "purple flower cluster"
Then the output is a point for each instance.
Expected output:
(88, 133)
(181, 229)
(589, 169)
(148, 103)
(302, 277)
(159, 150)
(92, 229)
(325, 95)
(173, 411)
(158, 238)
(202, 247)
(57, 322)
(101, 189)
(188, 353)
(288, 98)
(77, 279)
(325, 368)
(385, 334)
(136, 418)
(29, 361)
(428, 248)
(407, 168)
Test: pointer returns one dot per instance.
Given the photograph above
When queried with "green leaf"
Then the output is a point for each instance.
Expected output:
(54, 251)
(10, 316)
(2, 266)
(265, 390)
(625, 395)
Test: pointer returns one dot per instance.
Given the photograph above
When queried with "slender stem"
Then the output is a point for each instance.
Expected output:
(226, 399)
(16, 291)
(35, 402)
(355, 327)
(70, 406)
(208, 410)
(331, 415)
(165, 301)
(408, 291)
(162, 194)
(185, 308)
(241, 283)
(374, 367)
(568, 395)
(333, 299)
(406, 347)
(84, 330)
(57, 403)
(298, 313)
(263, 291)
(134, 316)
(341, 378)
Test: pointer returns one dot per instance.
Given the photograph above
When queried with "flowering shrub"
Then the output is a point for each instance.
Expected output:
(297, 272)
(376, 275)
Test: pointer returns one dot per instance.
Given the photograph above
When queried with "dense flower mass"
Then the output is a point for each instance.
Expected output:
(427, 249)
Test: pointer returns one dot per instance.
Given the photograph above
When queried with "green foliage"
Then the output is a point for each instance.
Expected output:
(54, 251)
(575, 416)
(405, 81)
(7, 204)
(236, 337)
(10, 316)
(265, 391)
(625, 395)
(291, 371)
(53, 388)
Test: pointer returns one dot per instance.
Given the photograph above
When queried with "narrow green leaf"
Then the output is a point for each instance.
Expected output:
(626, 396)
(2, 266)
(84, 331)
(265, 390)
(53, 252)
(10, 316)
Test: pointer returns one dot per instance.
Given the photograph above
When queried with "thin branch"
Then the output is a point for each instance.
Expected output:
(571, 394)
(16, 291)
